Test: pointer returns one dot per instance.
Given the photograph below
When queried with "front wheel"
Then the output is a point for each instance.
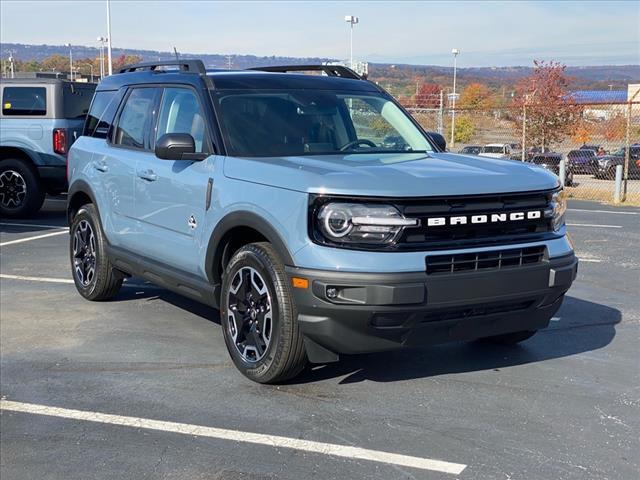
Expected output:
(259, 316)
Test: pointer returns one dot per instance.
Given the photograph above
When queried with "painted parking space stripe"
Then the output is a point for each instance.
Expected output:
(602, 211)
(24, 278)
(590, 260)
(36, 237)
(274, 441)
(39, 225)
(35, 279)
(592, 225)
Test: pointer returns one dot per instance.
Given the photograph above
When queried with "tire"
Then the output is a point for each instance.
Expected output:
(94, 276)
(21, 194)
(510, 338)
(259, 316)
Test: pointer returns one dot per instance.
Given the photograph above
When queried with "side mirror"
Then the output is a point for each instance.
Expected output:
(177, 146)
(439, 140)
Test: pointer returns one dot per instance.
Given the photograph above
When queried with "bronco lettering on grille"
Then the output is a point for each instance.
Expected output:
(488, 218)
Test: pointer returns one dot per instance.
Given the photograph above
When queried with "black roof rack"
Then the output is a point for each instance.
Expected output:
(190, 66)
(330, 70)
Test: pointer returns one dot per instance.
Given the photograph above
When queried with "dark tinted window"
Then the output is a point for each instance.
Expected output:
(180, 112)
(24, 101)
(103, 110)
(76, 99)
(136, 118)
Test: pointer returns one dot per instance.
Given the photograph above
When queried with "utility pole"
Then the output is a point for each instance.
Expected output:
(109, 36)
(455, 53)
(352, 20)
(70, 61)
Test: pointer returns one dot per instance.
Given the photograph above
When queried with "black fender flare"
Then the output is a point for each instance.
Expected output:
(243, 219)
(80, 186)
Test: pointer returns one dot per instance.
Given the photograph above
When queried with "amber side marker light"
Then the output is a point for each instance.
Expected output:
(298, 282)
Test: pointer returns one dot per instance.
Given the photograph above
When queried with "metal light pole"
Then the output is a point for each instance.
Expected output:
(352, 20)
(70, 62)
(455, 52)
(102, 41)
(109, 36)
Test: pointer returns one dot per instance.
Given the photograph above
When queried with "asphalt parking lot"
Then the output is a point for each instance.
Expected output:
(563, 405)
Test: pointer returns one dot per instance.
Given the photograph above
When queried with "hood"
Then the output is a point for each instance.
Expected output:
(392, 175)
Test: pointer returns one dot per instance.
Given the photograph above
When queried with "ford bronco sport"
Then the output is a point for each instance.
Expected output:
(273, 196)
(40, 118)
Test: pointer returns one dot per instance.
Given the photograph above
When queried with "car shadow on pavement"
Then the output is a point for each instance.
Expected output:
(581, 326)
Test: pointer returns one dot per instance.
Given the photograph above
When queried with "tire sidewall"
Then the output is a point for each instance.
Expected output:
(35, 195)
(260, 370)
(87, 213)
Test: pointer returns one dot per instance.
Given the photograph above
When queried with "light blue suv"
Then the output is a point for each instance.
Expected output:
(39, 120)
(278, 198)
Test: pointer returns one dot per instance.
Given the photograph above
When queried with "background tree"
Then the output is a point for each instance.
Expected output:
(464, 131)
(427, 96)
(476, 96)
(550, 113)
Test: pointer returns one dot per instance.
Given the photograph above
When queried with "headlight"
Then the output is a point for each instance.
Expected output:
(557, 208)
(361, 223)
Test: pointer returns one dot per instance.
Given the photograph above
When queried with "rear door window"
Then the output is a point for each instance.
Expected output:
(24, 101)
(137, 118)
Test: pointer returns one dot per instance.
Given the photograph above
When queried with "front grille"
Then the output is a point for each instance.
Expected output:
(476, 234)
(476, 311)
(465, 262)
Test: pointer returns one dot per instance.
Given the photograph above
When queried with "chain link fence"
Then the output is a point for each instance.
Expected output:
(591, 138)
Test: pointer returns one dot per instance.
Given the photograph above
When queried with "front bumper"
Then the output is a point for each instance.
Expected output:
(382, 311)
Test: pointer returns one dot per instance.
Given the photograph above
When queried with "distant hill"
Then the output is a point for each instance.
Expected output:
(593, 77)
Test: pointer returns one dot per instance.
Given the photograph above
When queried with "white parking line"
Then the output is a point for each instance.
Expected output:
(28, 239)
(39, 225)
(35, 279)
(590, 260)
(593, 225)
(602, 211)
(331, 449)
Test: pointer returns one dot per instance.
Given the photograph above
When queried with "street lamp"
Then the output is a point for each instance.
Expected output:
(70, 61)
(102, 41)
(109, 36)
(90, 65)
(455, 53)
(352, 20)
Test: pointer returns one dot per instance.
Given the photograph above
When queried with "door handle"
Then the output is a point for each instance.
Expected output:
(101, 167)
(148, 175)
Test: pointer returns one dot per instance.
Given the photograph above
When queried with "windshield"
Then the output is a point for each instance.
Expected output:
(273, 123)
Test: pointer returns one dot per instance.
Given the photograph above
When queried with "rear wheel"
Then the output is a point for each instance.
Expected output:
(93, 274)
(21, 194)
(259, 317)
(510, 338)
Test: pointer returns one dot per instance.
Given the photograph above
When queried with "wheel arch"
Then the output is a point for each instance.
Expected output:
(79, 194)
(17, 153)
(234, 231)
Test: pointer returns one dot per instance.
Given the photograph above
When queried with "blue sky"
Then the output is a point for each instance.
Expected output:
(492, 33)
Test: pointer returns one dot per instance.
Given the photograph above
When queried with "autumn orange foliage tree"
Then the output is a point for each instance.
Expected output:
(476, 96)
(427, 96)
(551, 113)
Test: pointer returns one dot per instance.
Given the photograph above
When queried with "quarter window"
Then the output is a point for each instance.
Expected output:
(180, 112)
(136, 118)
(24, 101)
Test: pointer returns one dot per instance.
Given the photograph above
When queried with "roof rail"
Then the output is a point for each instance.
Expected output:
(330, 70)
(190, 66)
